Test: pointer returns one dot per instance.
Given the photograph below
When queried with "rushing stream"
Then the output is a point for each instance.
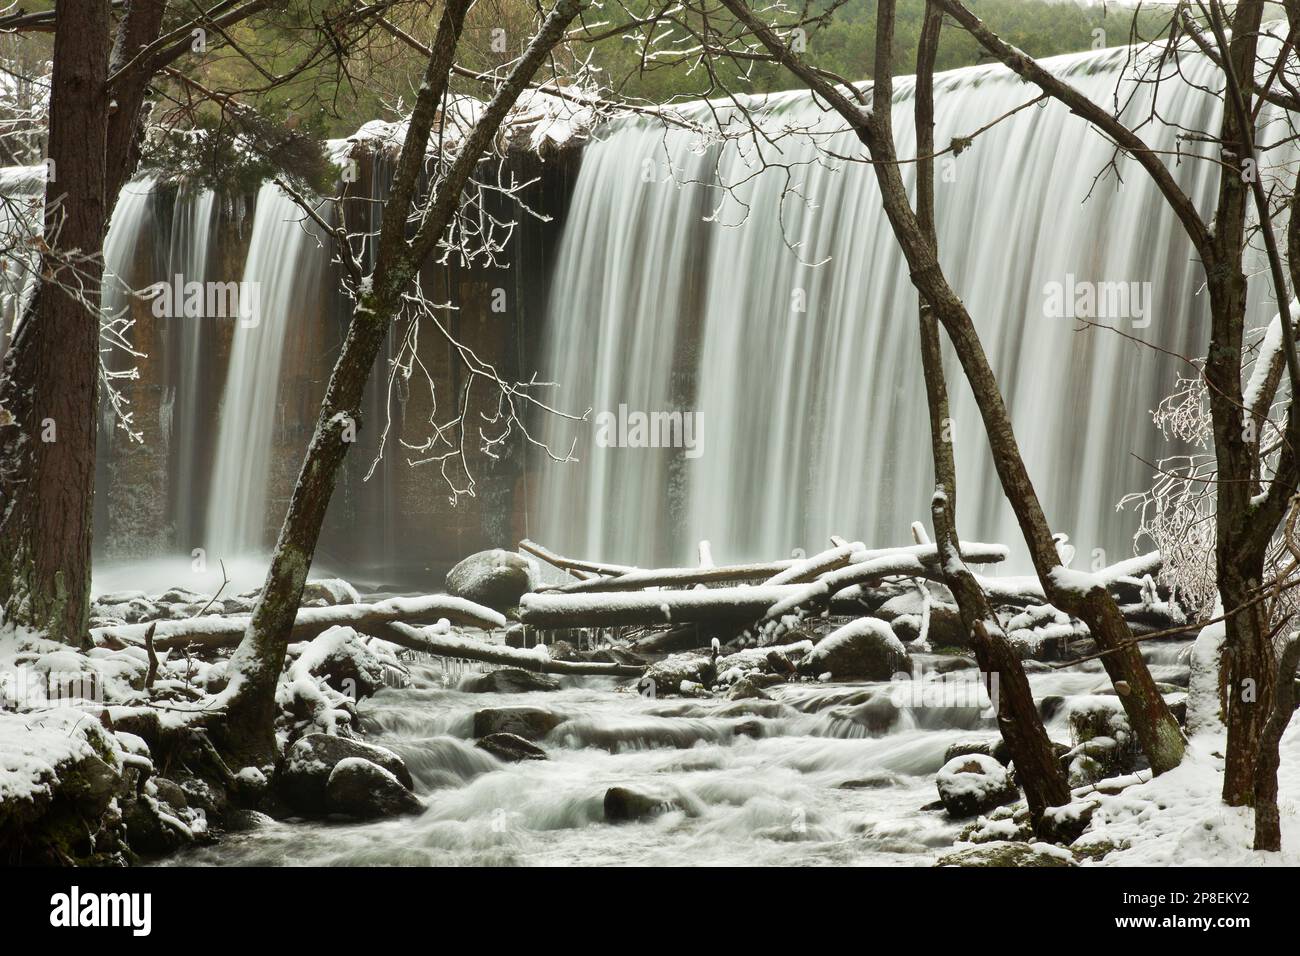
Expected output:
(800, 779)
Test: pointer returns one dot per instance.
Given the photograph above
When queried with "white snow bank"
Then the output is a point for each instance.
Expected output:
(1179, 819)
(35, 748)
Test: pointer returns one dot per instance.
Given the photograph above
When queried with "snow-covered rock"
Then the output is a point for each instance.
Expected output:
(1103, 743)
(330, 590)
(495, 578)
(1007, 853)
(359, 788)
(865, 649)
(59, 775)
(341, 658)
(973, 784)
(305, 772)
(667, 676)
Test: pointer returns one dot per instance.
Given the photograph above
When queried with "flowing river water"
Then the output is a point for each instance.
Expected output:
(811, 776)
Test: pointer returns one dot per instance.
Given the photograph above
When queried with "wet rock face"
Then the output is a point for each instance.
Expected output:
(358, 788)
(510, 680)
(510, 748)
(530, 723)
(625, 805)
(746, 689)
(670, 674)
(304, 776)
(997, 749)
(495, 579)
(973, 784)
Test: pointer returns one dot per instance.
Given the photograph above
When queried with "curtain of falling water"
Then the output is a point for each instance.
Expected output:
(807, 377)
(20, 213)
(285, 259)
(192, 228)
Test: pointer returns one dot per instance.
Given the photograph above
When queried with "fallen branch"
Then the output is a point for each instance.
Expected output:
(785, 571)
(216, 630)
(572, 565)
(444, 645)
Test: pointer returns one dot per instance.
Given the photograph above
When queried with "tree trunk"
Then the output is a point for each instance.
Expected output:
(1148, 714)
(1037, 768)
(51, 372)
(1268, 825)
(1250, 669)
(248, 731)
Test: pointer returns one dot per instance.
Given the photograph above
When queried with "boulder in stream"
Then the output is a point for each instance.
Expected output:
(495, 578)
(510, 748)
(668, 675)
(625, 805)
(329, 591)
(865, 649)
(973, 784)
(530, 723)
(510, 680)
(341, 658)
(362, 789)
(746, 689)
(995, 747)
(304, 775)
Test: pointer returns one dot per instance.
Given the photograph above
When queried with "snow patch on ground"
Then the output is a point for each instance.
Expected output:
(1178, 819)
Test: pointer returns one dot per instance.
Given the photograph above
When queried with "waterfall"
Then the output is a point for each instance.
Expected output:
(789, 324)
(192, 226)
(22, 189)
(132, 220)
(285, 261)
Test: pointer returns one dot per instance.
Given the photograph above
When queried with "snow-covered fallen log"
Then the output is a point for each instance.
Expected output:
(1123, 575)
(639, 578)
(869, 567)
(222, 631)
(429, 641)
(554, 609)
(787, 571)
(818, 564)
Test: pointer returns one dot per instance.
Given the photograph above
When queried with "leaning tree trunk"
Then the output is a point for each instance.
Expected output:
(51, 371)
(247, 729)
(1039, 772)
(1153, 724)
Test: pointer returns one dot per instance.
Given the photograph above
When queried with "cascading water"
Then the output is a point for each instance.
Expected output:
(790, 326)
(284, 262)
(133, 217)
(187, 256)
